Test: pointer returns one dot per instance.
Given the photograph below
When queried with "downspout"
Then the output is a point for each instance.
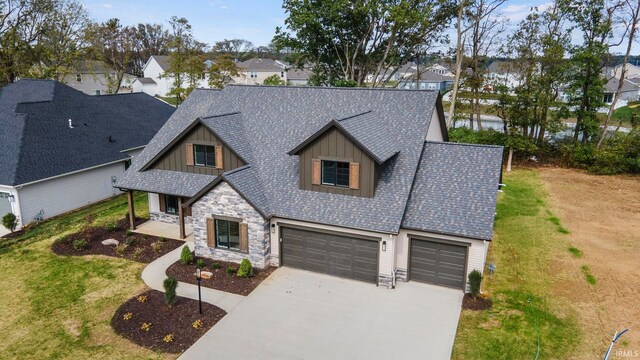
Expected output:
(394, 269)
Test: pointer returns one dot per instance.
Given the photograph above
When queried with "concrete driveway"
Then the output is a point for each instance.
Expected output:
(296, 314)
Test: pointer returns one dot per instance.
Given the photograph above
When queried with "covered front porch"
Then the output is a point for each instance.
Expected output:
(166, 230)
(169, 230)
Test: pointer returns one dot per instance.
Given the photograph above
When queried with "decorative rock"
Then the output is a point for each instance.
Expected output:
(206, 274)
(110, 242)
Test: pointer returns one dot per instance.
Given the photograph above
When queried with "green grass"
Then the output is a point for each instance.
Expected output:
(555, 221)
(575, 252)
(591, 279)
(61, 307)
(524, 244)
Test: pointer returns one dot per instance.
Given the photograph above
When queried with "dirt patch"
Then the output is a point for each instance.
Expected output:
(12, 235)
(469, 302)
(220, 279)
(164, 322)
(133, 246)
(602, 214)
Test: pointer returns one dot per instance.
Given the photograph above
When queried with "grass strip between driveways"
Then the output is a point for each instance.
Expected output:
(60, 307)
(525, 309)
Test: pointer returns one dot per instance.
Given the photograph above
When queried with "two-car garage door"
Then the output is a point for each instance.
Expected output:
(438, 263)
(329, 253)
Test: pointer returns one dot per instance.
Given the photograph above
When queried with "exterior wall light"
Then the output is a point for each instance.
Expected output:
(384, 245)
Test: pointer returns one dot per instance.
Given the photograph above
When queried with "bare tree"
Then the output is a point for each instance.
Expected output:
(630, 21)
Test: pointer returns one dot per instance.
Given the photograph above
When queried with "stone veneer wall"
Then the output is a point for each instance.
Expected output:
(224, 201)
(168, 218)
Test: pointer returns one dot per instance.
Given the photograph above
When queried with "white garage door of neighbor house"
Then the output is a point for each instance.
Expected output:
(5, 204)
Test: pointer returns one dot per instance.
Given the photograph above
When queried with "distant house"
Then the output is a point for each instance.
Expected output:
(630, 91)
(92, 78)
(155, 83)
(428, 80)
(299, 77)
(408, 70)
(502, 73)
(63, 149)
(633, 71)
(254, 71)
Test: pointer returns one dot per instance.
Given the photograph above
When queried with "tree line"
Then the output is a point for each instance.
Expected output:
(50, 38)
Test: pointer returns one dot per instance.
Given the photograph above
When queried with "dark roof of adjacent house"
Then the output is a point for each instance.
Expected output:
(162, 60)
(612, 85)
(146, 80)
(455, 190)
(38, 143)
(431, 76)
(390, 123)
(258, 64)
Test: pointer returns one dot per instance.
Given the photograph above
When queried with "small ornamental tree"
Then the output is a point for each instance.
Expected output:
(186, 256)
(246, 269)
(475, 279)
(170, 284)
(10, 222)
(273, 80)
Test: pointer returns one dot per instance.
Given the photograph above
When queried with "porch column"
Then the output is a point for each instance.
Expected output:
(132, 215)
(181, 217)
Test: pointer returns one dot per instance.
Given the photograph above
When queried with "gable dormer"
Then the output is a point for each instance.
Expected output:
(345, 156)
(198, 150)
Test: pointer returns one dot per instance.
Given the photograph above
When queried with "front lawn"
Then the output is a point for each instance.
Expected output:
(60, 307)
(526, 317)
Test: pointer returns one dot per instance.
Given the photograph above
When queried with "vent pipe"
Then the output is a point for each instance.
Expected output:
(70, 124)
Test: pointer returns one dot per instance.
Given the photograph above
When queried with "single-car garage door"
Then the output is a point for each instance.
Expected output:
(438, 263)
(331, 254)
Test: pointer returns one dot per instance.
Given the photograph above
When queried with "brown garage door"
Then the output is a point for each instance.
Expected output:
(331, 254)
(438, 263)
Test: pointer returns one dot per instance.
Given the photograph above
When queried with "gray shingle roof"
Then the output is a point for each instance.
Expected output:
(455, 190)
(274, 127)
(146, 80)
(258, 64)
(162, 60)
(37, 142)
(372, 134)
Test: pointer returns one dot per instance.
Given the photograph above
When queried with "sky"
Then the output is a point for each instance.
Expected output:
(254, 20)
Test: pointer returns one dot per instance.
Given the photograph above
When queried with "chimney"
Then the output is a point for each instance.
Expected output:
(70, 124)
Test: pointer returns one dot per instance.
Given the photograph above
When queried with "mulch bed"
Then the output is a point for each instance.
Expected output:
(12, 235)
(176, 320)
(475, 303)
(140, 248)
(220, 280)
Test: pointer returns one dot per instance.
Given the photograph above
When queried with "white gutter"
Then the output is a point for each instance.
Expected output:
(133, 148)
(69, 173)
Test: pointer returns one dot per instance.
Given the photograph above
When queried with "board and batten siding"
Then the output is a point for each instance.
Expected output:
(476, 257)
(176, 158)
(334, 145)
(59, 195)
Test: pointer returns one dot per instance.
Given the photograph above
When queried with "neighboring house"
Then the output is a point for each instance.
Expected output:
(92, 77)
(299, 77)
(155, 83)
(501, 73)
(633, 71)
(358, 183)
(441, 69)
(428, 80)
(630, 92)
(254, 71)
(62, 149)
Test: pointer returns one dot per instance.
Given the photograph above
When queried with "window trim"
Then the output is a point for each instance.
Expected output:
(195, 158)
(336, 161)
(217, 228)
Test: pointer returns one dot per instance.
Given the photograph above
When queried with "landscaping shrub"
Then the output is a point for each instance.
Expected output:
(215, 265)
(137, 253)
(186, 256)
(113, 226)
(156, 246)
(245, 268)
(129, 232)
(120, 249)
(475, 279)
(130, 241)
(10, 221)
(170, 284)
(80, 244)
(231, 270)
(200, 263)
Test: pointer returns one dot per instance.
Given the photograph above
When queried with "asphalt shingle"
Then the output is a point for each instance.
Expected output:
(36, 139)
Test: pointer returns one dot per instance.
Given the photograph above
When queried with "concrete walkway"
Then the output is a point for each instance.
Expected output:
(166, 230)
(154, 274)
